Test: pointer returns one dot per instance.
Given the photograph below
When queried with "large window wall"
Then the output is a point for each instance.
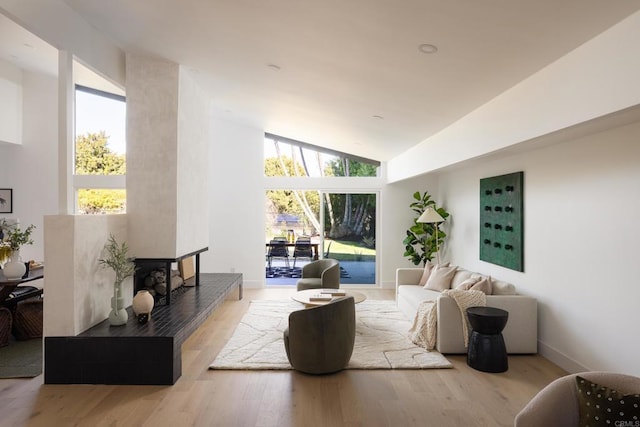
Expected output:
(315, 196)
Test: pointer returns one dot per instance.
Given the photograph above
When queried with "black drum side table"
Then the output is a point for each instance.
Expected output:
(487, 351)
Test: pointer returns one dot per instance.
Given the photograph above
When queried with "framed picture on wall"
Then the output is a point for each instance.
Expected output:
(6, 200)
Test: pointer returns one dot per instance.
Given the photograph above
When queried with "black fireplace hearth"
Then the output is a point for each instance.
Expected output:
(141, 354)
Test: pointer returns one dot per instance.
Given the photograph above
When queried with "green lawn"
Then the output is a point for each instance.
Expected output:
(344, 250)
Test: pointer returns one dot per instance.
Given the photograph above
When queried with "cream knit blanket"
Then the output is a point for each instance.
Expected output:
(423, 330)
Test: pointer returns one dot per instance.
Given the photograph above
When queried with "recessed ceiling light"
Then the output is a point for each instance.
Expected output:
(427, 48)
(274, 67)
(376, 116)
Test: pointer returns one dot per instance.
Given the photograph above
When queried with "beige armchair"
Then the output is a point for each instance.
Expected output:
(557, 403)
(319, 340)
(323, 273)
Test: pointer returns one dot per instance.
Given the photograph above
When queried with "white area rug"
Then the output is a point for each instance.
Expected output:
(381, 339)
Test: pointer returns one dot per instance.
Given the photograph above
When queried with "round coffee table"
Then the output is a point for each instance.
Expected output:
(303, 297)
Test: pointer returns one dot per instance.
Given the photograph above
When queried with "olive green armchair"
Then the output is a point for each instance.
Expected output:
(319, 340)
(323, 273)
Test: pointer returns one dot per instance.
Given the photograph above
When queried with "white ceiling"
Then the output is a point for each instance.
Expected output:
(321, 72)
(25, 50)
(28, 52)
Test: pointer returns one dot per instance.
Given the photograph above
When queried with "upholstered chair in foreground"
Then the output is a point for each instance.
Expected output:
(320, 339)
(557, 405)
(323, 273)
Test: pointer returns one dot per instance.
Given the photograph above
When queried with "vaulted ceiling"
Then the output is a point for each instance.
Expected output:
(353, 75)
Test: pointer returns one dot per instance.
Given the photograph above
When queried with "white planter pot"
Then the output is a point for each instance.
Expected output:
(118, 316)
(143, 303)
(14, 269)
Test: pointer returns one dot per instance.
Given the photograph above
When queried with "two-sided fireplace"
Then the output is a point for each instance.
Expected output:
(144, 267)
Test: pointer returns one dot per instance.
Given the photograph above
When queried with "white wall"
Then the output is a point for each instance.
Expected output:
(236, 197)
(10, 104)
(581, 204)
(167, 150)
(152, 153)
(396, 217)
(194, 140)
(30, 169)
(78, 290)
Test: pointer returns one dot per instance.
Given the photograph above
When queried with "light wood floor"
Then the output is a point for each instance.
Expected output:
(438, 397)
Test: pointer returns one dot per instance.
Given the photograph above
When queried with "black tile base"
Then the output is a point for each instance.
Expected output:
(145, 354)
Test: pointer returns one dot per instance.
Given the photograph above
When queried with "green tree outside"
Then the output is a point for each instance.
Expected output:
(94, 157)
(349, 216)
(284, 200)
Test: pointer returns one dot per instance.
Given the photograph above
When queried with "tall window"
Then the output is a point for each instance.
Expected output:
(339, 224)
(100, 152)
(281, 154)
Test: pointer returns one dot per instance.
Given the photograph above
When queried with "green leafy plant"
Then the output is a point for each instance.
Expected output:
(420, 241)
(115, 257)
(15, 237)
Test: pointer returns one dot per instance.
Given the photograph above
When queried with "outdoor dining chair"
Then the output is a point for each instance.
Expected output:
(302, 249)
(278, 249)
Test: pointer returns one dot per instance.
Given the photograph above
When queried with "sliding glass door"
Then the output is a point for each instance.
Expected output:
(341, 226)
(350, 235)
(293, 235)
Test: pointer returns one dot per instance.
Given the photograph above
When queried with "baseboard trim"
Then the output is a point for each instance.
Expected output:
(388, 285)
(253, 284)
(560, 359)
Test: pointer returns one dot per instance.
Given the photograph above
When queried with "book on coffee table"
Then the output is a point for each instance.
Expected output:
(335, 292)
(321, 297)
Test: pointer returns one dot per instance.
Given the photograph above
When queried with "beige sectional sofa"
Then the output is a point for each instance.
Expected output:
(520, 334)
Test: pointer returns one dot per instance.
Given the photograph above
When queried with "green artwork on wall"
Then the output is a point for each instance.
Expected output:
(501, 220)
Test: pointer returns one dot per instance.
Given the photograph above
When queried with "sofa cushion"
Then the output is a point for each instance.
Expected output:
(467, 284)
(440, 278)
(460, 276)
(500, 287)
(428, 268)
(417, 293)
(483, 285)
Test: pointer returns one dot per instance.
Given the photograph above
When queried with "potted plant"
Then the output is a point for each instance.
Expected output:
(420, 242)
(115, 257)
(13, 239)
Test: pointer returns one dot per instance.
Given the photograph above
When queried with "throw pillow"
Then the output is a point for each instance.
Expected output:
(483, 285)
(460, 276)
(428, 267)
(467, 284)
(500, 287)
(440, 278)
(602, 406)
